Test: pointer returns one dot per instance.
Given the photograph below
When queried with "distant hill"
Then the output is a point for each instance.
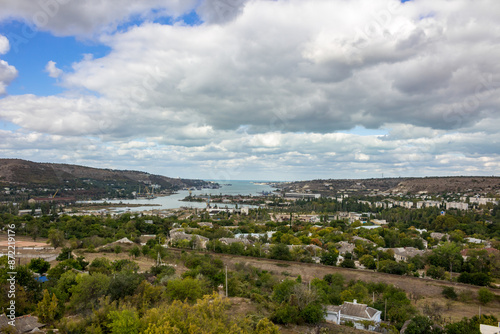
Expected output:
(429, 185)
(74, 179)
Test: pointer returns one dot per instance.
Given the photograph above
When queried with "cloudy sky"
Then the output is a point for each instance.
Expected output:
(253, 89)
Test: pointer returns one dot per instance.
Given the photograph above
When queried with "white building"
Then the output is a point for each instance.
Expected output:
(355, 313)
(457, 205)
(487, 329)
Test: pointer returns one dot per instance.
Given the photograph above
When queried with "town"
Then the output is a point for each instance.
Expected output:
(449, 239)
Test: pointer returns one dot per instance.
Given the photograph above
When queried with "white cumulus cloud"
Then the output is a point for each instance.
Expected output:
(52, 70)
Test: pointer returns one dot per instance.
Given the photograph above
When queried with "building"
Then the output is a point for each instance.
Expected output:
(23, 324)
(457, 205)
(345, 247)
(467, 252)
(482, 200)
(295, 196)
(487, 329)
(379, 221)
(355, 313)
(440, 236)
(229, 241)
(205, 224)
(428, 204)
(406, 253)
(199, 241)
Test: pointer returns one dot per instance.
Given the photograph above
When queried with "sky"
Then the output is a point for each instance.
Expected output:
(253, 89)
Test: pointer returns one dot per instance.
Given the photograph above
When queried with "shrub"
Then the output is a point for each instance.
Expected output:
(285, 314)
(480, 279)
(465, 296)
(39, 266)
(187, 289)
(485, 296)
(449, 292)
(313, 313)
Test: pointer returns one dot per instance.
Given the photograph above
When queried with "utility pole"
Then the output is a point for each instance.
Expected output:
(227, 295)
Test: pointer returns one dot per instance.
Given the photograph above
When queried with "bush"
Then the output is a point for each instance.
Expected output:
(449, 292)
(280, 252)
(465, 296)
(436, 272)
(187, 289)
(39, 266)
(65, 254)
(480, 279)
(485, 295)
(285, 314)
(348, 263)
(313, 313)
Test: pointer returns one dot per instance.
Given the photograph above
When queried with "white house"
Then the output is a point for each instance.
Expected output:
(486, 329)
(355, 313)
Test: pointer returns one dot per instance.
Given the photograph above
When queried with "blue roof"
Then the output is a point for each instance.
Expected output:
(42, 279)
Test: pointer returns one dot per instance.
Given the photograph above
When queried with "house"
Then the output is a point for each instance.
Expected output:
(406, 253)
(355, 313)
(229, 241)
(200, 241)
(467, 252)
(345, 247)
(379, 221)
(23, 324)
(487, 329)
(477, 241)
(205, 224)
(356, 238)
(439, 236)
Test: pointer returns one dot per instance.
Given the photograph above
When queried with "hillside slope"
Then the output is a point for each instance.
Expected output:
(74, 179)
(429, 185)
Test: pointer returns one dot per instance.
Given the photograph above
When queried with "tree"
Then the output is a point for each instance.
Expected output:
(480, 279)
(449, 292)
(368, 261)
(100, 265)
(283, 291)
(189, 289)
(124, 284)
(313, 313)
(485, 296)
(465, 326)
(348, 263)
(124, 322)
(330, 258)
(209, 316)
(280, 252)
(65, 254)
(393, 267)
(47, 308)
(39, 266)
(436, 272)
(56, 238)
(135, 251)
(285, 314)
(264, 326)
(88, 290)
(422, 325)
(447, 256)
